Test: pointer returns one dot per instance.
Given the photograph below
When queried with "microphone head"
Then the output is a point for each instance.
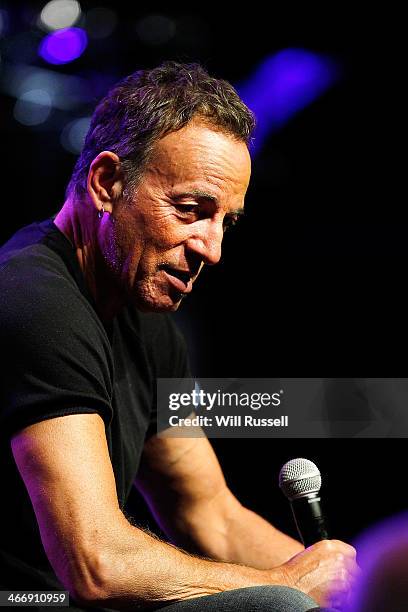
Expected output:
(299, 478)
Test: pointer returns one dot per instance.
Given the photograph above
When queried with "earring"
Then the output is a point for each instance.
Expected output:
(101, 212)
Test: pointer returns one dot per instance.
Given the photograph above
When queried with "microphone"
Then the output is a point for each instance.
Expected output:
(300, 482)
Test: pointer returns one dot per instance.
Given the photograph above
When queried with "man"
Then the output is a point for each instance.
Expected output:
(163, 172)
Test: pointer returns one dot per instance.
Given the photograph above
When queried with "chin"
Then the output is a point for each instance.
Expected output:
(152, 304)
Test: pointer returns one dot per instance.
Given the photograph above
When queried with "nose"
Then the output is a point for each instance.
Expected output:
(206, 241)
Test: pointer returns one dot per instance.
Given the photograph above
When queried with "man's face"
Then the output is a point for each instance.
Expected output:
(191, 190)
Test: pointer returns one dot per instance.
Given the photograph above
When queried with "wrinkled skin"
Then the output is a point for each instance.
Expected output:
(150, 246)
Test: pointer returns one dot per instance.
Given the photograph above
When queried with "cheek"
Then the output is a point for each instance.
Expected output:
(122, 248)
(144, 239)
(111, 247)
(164, 236)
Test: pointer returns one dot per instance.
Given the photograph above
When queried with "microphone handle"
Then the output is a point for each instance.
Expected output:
(309, 518)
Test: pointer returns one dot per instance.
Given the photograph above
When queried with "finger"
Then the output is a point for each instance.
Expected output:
(338, 594)
(346, 549)
(353, 569)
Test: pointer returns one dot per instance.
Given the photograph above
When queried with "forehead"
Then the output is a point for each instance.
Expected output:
(199, 152)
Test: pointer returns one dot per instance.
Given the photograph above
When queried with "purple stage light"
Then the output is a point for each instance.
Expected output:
(382, 555)
(63, 46)
(283, 85)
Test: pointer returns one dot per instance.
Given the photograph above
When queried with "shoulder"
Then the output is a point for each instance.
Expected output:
(37, 273)
(59, 359)
(40, 299)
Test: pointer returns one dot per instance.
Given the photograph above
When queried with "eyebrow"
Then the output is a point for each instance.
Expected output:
(204, 195)
(199, 193)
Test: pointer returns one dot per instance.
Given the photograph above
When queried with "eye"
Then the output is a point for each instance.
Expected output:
(186, 209)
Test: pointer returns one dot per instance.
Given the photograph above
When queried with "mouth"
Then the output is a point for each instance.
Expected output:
(181, 279)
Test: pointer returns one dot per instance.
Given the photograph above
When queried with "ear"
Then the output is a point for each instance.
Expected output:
(105, 180)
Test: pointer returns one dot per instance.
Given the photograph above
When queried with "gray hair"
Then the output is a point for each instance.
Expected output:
(147, 105)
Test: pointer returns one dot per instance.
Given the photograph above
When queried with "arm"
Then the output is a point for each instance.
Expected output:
(97, 555)
(103, 560)
(182, 482)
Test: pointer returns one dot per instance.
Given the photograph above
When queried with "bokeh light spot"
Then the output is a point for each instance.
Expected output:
(100, 22)
(59, 14)
(73, 134)
(33, 107)
(155, 29)
(63, 46)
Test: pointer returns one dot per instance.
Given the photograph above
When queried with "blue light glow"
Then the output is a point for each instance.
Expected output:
(73, 134)
(4, 22)
(284, 84)
(63, 46)
(33, 107)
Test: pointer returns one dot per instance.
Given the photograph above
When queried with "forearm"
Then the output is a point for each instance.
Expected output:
(257, 543)
(135, 568)
(224, 529)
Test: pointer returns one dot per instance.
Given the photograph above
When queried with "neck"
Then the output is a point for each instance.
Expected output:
(79, 222)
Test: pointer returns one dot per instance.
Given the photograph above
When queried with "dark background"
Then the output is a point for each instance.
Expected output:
(312, 283)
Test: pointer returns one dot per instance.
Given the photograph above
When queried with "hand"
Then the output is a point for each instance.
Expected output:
(325, 571)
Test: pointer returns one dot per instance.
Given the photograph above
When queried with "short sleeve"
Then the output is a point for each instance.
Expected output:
(56, 355)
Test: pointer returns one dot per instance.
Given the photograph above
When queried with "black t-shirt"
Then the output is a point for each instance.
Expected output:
(59, 359)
